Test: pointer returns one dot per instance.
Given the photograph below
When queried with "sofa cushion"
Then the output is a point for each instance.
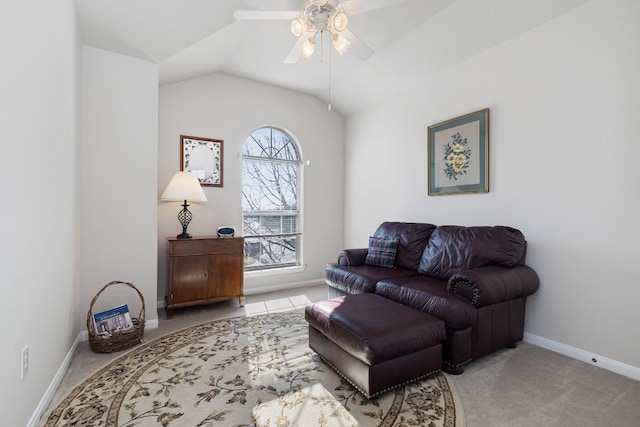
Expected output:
(431, 296)
(452, 249)
(360, 278)
(413, 238)
(382, 251)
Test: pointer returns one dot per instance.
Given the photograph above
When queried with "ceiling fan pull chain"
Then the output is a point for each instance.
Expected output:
(329, 106)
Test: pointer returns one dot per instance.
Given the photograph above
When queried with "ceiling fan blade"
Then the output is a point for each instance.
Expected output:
(353, 7)
(264, 15)
(358, 47)
(294, 53)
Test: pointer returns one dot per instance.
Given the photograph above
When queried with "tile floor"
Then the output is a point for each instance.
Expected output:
(275, 305)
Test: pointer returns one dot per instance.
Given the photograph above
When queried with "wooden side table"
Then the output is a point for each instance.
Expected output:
(204, 270)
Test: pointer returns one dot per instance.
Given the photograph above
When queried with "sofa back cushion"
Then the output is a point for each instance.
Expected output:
(412, 239)
(452, 249)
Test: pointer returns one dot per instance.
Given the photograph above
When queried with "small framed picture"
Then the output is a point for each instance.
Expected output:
(458, 155)
(204, 158)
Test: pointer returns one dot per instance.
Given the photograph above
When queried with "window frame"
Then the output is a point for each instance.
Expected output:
(297, 265)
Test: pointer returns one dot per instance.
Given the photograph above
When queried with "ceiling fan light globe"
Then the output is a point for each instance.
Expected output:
(299, 26)
(318, 2)
(296, 27)
(338, 22)
(340, 43)
(307, 49)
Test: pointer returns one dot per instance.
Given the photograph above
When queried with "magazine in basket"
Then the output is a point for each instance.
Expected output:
(116, 319)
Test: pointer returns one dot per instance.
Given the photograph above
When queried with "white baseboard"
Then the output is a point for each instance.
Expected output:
(630, 371)
(45, 402)
(55, 383)
(281, 287)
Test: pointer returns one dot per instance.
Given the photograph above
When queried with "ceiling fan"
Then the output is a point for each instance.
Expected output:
(320, 17)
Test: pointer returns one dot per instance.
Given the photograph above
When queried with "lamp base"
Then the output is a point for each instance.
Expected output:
(184, 216)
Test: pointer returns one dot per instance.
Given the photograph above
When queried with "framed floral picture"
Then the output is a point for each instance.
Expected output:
(458, 155)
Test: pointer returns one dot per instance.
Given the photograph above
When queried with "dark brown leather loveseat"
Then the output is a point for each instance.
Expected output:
(472, 278)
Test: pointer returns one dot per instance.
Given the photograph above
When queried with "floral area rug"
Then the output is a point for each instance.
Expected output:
(247, 371)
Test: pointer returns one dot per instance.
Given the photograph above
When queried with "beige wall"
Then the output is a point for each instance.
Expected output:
(563, 139)
(224, 107)
(119, 180)
(563, 99)
(39, 171)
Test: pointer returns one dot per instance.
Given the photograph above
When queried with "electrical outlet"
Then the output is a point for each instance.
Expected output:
(24, 362)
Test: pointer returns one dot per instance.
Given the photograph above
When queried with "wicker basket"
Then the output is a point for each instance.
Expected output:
(118, 340)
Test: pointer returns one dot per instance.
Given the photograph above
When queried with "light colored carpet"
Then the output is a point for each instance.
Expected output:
(531, 386)
(243, 371)
(525, 386)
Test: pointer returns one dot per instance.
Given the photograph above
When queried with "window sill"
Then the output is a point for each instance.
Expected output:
(274, 271)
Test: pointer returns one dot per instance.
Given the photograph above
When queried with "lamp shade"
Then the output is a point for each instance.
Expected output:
(184, 186)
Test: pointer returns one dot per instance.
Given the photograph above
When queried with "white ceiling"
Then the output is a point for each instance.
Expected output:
(412, 39)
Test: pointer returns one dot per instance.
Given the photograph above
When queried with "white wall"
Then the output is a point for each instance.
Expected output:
(564, 101)
(39, 171)
(224, 107)
(119, 180)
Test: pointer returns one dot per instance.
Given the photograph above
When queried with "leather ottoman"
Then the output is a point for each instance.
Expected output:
(375, 343)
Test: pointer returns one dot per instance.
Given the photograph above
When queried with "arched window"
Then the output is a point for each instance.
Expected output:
(271, 167)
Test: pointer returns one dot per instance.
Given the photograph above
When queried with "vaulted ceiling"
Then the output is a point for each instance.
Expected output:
(411, 39)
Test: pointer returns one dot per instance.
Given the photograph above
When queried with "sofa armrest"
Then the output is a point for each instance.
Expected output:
(493, 284)
(350, 257)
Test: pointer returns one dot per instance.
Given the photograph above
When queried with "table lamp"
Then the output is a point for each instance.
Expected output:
(184, 186)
